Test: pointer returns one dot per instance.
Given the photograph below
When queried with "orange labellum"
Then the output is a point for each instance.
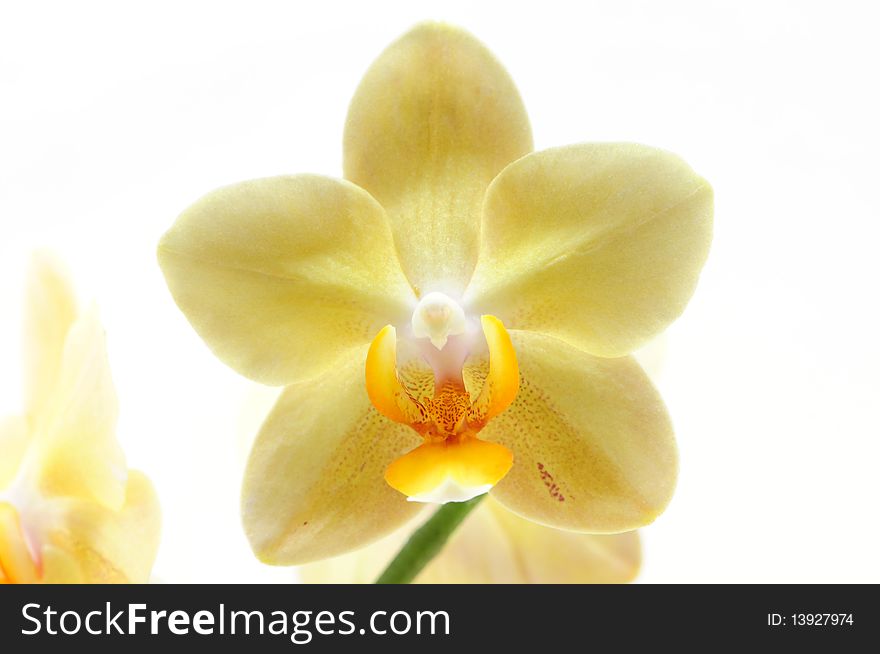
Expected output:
(453, 464)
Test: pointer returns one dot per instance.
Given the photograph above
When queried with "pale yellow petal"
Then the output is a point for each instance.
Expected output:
(598, 244)
(493, 546)
(281, 275)
(50, 309)
(592, 442)
(14, 440)
(61, 567)
(107, 546)
(435, 118)
(75, 451)
(313, 486)
(555, 556)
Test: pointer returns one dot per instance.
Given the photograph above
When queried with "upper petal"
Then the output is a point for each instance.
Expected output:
(434, 120)
(50, 309)
(75, 451)
(281, 275)
(493, 546)
(313, 486)
(592, 442)
(598, 244)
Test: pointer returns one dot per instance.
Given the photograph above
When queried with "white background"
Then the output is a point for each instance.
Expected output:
(115, 117)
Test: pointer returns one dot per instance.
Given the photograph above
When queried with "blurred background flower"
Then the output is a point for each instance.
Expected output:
(70, 510)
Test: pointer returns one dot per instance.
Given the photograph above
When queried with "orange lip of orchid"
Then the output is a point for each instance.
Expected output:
(453, 464)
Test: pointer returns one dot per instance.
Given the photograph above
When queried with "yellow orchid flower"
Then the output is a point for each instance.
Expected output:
(450, 318)
(494, 546)
(70, 511)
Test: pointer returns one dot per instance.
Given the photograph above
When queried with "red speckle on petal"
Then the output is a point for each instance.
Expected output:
(552, 486)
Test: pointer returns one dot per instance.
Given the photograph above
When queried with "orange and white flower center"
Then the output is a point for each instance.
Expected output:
(453, 464)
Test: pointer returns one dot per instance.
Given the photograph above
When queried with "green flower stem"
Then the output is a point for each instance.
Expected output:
(426, 542)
